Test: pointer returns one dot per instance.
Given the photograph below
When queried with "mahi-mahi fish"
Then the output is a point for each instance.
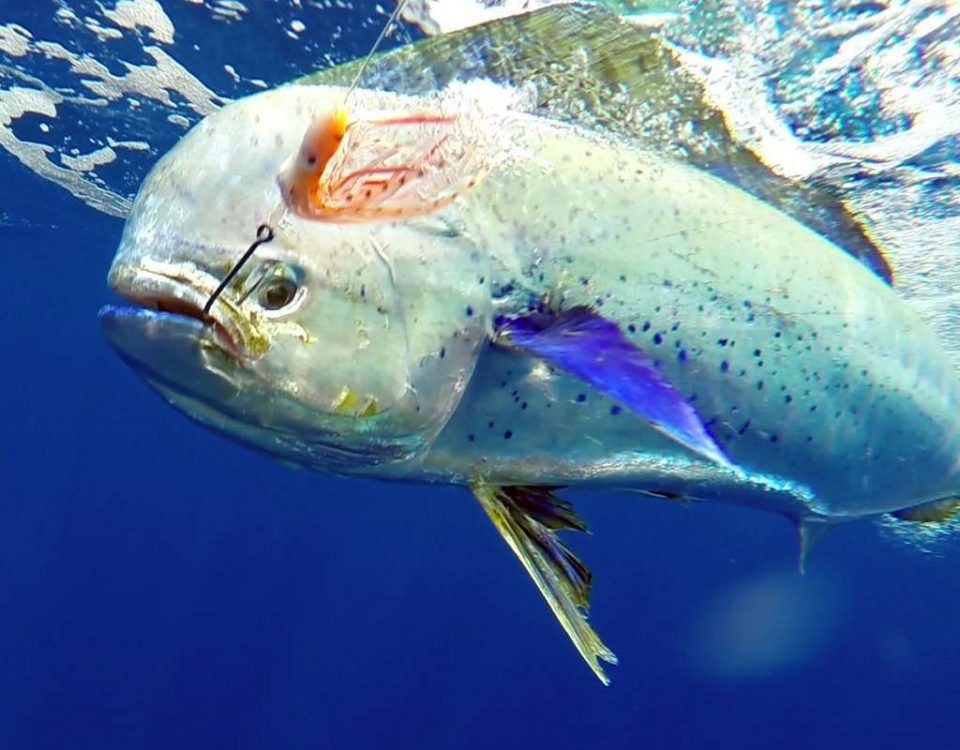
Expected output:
(579, 309)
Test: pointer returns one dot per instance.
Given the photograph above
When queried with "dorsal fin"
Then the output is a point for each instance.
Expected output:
(591, 68)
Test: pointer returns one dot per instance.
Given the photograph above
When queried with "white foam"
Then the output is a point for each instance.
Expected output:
(898, 63)
(90, 161)
(149, 14)
(162, 80)
(103, 33)
(131, 145)
(444, 16)
(14, 40)
(16, 102)
(230, 10)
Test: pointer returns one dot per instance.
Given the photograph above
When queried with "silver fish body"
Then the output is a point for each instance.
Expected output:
(829, 396)
(544, 328)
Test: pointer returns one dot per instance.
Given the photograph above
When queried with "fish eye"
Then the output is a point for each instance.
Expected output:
(277, 293)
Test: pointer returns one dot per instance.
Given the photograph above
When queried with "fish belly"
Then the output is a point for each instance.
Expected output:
(814, 377)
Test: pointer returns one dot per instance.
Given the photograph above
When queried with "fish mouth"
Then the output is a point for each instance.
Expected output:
(205, 365)
(184, 291)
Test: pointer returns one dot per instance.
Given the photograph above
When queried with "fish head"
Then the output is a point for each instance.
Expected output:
(341, 347)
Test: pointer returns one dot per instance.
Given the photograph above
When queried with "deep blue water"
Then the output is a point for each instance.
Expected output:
(161, 587)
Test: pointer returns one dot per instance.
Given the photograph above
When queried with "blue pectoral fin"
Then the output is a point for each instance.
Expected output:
(594, 349)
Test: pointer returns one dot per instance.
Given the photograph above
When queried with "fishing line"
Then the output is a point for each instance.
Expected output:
(401, 4)
(264, 234)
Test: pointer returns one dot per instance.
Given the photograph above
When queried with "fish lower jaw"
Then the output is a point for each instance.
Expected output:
(174, 290)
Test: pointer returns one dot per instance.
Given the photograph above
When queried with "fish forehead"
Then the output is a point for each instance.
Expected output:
(205, 199)
(801, 362)
(228, 165)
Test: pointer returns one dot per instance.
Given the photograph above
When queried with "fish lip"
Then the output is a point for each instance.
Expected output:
(183, 292)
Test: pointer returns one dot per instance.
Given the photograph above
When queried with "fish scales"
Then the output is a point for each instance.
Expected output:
(804, 365)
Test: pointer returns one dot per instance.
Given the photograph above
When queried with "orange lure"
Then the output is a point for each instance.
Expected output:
(395, 167)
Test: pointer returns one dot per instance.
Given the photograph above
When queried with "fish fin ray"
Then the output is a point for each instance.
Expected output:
(528, 519)
(809, 534)
(938, 511)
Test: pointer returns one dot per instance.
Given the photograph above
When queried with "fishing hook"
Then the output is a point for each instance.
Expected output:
(264, 234)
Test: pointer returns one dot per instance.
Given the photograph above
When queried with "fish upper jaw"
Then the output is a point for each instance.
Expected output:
(183, 289)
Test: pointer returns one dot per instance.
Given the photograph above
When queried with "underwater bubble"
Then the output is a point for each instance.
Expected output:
(763, 626)
(930, 538)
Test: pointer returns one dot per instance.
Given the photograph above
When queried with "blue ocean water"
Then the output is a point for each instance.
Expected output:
(162, 587)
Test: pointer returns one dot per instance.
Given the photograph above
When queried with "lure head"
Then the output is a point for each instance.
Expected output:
(389, 166)
(299, 179)
(342, 347)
